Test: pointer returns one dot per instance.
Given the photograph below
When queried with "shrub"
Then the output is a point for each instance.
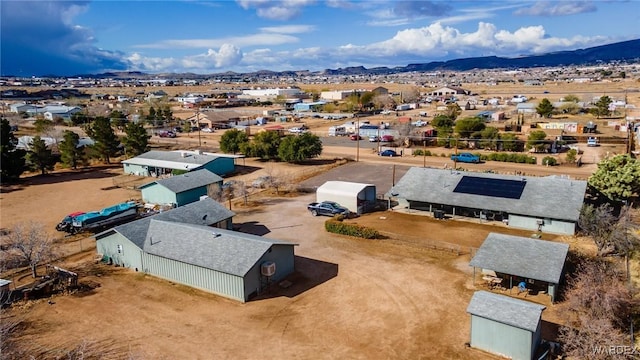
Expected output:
(338, 227)
(510, 157)
(549, 161)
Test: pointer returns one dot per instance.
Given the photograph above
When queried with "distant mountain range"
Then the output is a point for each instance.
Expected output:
(621, 51)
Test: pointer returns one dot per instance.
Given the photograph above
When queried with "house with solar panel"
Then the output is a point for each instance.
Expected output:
(549, 204)
(179, 190)
(191, 245)
(158, 163)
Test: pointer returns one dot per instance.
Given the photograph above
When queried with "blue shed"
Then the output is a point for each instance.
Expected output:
(504, 325)
(158, 163)
(180, 189)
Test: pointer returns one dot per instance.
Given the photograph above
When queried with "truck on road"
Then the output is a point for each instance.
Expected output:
(110, 216)
(466, 158)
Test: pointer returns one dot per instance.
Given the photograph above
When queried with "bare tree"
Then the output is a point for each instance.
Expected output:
(613, 235)
(29, 243)
(240, 190)
(274, 179)
(598, 309)
(221, 193)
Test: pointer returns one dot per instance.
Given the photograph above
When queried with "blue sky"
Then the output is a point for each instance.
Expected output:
(198, 36)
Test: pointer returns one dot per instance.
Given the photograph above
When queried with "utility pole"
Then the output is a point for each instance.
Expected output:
(424, 153)
(198, 125)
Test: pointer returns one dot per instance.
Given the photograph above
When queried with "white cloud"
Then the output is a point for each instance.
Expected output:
(276, 10)
(559, 8)
(240, 41)
(288, 29)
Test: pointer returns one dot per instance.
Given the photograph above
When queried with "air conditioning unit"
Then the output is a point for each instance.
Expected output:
(268, 268)
(540, 222)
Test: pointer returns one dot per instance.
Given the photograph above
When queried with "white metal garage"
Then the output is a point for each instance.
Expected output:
(356, 197)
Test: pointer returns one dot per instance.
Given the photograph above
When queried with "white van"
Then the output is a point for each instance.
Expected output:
(337, 131)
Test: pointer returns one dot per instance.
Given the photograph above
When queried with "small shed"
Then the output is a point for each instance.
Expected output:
(539, 263)
(356, 197)
(180, 189)
(504, 325)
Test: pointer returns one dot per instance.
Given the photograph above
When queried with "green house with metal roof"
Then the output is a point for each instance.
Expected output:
(157, 163)
(232, 264)
(179, 190)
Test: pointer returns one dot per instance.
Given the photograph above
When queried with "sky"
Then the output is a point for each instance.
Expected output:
(69, 38)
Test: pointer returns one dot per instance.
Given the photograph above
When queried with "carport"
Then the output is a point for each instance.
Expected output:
(514, 259)
(356, 197)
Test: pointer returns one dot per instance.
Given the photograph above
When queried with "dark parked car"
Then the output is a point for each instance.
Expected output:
(167, 134)
(328, 208)
(390, 153)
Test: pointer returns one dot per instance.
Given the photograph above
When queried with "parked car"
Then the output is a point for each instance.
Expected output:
(390, 153)
(207, 130)
(167, 134)
(373, 138)
(466, 158)
(355, 137)
(298, 130)
(386, 138)
(328, 208)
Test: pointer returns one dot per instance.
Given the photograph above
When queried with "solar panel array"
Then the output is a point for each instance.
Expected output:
(510, 189)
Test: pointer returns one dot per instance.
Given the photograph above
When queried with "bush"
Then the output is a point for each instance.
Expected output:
(549, 161)
(420, 152)
(510, 157)
(338, 227)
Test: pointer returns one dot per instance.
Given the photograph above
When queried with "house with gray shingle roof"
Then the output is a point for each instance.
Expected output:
(180, 189)
(158, 163)
(549, 204)
(539, 263)
(505, 326)
(180, 247)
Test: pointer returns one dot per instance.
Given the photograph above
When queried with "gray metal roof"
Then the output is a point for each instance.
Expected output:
(184, 160)
(503, 309)
(188, 181)
(545, 197)
(204, 212)
(530, 258)
(227, 251)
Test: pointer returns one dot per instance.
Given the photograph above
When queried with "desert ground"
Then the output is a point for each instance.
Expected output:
(403, 297)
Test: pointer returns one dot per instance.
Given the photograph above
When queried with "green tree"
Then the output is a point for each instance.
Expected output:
(537, 140)
(468, 126)
(299, 148)
(80, 118)
(136, 140)
(12, 160)
(233, 140)
(442, 121)
(43, 126)
(571, 98)
(118, 119)
(70, 153)
(264, 145)
(572, 156)
(489, 138)
(510, 142)
(40, 156)
(544, 108)
(453, 111)
(106, 141)
(617, 178)
(602, 106)
(167, 114)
